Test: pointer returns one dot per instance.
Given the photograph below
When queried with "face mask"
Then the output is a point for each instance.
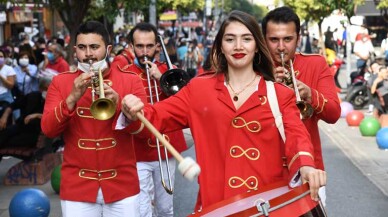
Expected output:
(50, 56)
(2, 60)
(111, 59)
(23, 62)
(44, 94)
(85, 67)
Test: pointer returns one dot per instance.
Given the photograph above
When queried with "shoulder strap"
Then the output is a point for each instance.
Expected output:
(273, 104)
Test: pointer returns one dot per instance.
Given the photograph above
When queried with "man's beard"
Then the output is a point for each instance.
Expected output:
(149, 58)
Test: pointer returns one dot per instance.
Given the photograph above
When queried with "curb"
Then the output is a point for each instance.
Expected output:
(362, 151)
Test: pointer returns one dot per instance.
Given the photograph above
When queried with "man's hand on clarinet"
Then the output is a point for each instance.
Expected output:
(131, 105)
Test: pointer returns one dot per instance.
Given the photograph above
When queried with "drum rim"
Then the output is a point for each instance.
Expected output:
(238, 197)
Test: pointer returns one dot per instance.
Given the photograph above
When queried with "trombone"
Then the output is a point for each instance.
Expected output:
(102, 108)
(169, 189)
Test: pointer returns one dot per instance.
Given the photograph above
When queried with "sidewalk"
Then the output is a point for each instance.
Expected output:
(362, 151)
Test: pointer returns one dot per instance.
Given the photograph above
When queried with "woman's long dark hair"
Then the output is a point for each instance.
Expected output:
(262, 61)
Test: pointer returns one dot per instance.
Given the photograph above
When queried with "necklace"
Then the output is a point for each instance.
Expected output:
(235, 94)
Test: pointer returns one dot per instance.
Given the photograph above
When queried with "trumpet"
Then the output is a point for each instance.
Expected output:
(169, 189)
(102, 108)
(306, 110)
(288, 78)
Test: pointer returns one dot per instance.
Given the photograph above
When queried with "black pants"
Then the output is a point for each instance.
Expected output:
(20, 135)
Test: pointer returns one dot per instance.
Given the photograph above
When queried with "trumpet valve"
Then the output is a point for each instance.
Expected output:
(287, 79)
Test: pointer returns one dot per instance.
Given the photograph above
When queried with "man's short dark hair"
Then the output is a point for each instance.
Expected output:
(146, 27)
(281, 15)
(94, 27)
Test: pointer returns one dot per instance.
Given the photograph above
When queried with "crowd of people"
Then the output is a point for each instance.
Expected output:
(112, 168)
(25, 72)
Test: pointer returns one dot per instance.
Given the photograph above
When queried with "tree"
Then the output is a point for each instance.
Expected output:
(317, 10)
(243, 5)
(383, 7)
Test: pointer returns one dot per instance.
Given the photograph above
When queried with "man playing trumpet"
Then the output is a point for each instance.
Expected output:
(98, 175)
(315, 83)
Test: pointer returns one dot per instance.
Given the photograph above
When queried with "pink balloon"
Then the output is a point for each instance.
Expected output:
(346, 107)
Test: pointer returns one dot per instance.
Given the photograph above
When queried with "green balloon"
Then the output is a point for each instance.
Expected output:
(56, 179)
(369, 126)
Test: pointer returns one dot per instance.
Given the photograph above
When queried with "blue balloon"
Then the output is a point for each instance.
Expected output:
(382, 138)
(30, 202)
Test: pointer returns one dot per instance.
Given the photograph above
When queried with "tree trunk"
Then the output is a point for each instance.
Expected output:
(72, 14)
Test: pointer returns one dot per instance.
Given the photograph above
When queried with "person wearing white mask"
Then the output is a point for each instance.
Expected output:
(26, 76)
(7, 79)
(98, 174)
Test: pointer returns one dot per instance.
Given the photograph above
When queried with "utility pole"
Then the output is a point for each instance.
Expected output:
(152, 11)
(216, 15)
(208, 13)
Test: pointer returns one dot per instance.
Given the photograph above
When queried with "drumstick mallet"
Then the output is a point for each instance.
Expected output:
(187, 166)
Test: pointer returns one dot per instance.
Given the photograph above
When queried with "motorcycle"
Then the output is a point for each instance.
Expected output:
(358, 92)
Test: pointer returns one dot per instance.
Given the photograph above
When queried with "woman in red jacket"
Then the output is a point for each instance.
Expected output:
(238, 145)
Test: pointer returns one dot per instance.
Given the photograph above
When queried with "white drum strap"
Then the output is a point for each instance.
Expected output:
(273, 104)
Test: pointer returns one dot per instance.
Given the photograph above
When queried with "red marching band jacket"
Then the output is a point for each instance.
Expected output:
(95, 155)
(313, 71)
(237, 150)
(146, 148)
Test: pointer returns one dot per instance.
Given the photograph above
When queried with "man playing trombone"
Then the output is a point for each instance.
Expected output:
(98, 175)
(315, 83)
(155, 170)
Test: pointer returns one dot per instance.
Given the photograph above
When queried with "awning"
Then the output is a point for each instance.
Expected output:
(169, 15)
(367, 9)
(191, 24)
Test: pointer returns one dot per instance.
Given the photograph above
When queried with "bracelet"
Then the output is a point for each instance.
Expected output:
(139, 130)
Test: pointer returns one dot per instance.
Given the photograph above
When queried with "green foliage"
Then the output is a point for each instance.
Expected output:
(243, 5)
(317, 10)
(383, 4)
(107, 9)
(181, 5)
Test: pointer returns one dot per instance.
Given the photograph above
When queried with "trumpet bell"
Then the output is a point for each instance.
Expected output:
(173, 80)
(103, 109)
(306, 110)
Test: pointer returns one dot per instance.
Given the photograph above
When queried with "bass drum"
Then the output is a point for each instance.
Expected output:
(276, 200)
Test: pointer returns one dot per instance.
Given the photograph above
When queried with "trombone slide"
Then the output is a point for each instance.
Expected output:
(187, 166)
